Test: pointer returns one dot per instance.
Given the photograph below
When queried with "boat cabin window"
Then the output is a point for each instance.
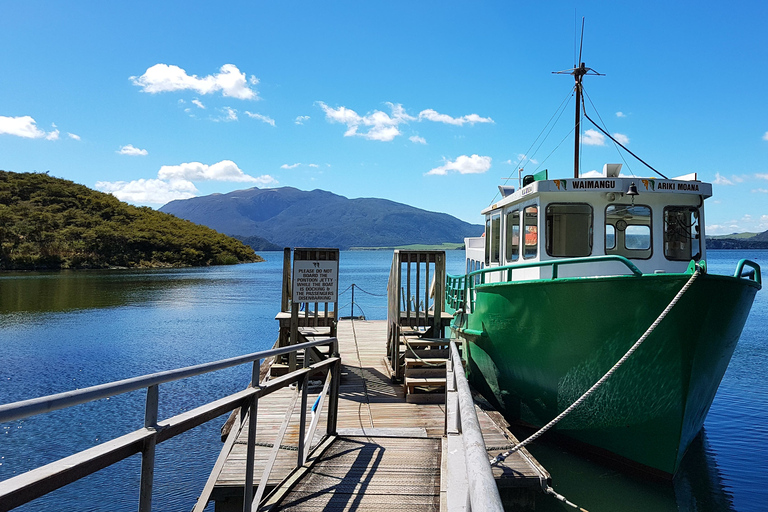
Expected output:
(492, 238)
(682, 233)
(531, 223)
(512, 249)
(628, 231)
(569, 230)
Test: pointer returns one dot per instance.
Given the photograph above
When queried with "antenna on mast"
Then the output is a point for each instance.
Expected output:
(578, 71)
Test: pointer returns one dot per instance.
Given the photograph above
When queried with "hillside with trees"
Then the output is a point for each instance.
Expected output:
(51, 223)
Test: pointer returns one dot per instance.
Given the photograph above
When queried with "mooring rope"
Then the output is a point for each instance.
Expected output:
(605, 377)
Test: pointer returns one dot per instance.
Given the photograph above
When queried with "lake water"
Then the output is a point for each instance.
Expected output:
(68, 330)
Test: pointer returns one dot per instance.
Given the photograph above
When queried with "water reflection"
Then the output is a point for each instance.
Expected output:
(597, 487)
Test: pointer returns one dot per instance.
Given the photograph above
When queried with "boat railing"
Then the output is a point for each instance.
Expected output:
(473, 486)
(35, 483)
(753, 274)
(461, 289)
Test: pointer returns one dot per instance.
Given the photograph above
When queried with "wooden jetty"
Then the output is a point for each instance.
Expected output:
(388, 453)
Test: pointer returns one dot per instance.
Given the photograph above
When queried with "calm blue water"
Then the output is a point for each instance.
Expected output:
(62, 331)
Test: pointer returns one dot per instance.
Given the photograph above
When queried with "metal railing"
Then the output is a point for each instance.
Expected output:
(35, 483)
(461, 289)
(475, 488)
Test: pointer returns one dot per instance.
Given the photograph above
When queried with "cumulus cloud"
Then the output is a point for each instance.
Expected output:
(433, 115)
(198, 103)
(301, 119)
(73, 136)
(24, 126)
(464, 164)
(292, 166)
(380, 126)
(130, 150)
(621, 114)
(746, 224)
(177, 182)
(260, 117)
(623, 139)
(765, 137)
(53, 135)
(593, 138)
(228, 114)
(167, 78)
(417, 140)
(721, 180)
(760, 190)
(226, 170)
(761, 176)
(148, 191)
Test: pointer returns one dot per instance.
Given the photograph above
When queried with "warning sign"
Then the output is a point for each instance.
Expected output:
(315, 281)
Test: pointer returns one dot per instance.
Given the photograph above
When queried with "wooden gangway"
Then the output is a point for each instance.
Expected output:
(387, 454)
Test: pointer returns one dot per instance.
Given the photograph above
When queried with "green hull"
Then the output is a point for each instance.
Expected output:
(538, 345)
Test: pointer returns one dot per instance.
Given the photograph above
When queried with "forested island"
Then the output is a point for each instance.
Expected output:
(48, 223)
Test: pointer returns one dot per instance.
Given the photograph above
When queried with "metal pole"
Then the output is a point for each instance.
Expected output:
(252, 407)
(302, 418)
(352, 305)
(148, 453)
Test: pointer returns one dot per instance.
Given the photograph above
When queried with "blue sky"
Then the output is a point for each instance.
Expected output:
(427, 103)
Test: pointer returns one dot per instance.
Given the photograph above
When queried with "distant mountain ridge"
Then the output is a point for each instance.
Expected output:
(289, 217)
(739, 241)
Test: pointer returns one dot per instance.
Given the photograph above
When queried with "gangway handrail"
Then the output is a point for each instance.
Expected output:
(37, 482)
(483, 494)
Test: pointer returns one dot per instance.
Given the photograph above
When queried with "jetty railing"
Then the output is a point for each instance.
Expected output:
(416, 279)
(37, 482)
(474, 488)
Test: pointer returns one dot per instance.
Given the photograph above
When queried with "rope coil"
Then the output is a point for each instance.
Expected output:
(605, 377)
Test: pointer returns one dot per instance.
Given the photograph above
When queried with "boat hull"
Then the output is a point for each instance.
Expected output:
(539, 345)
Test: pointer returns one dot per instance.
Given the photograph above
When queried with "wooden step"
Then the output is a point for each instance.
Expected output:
(421, 371)
(426, 361)
(428, 342)
(426, 353)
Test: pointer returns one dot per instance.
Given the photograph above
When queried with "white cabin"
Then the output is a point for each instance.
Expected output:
(660, 229)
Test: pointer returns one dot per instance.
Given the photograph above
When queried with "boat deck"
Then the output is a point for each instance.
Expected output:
(389, 452)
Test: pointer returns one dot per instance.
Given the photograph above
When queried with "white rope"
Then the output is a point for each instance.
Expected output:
(605, 377)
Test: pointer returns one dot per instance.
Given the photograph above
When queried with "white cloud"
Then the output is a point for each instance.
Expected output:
(760, 190)
(130, 150)
(53, 135)
(721, 180)
(148, 191)
(292, 166)
(73, 136)
(226, 170)
(433, 115)
(621, 114)
(765, 137)
(417, 140)
(592, 174)
(761, 176)
(198, 103)
(746, 224)
(230, 114)
(464, 164)
(176, 182)
(623, 139)
(260, 117)
(301, 119)
(315, 165)
(24, 126)
(166, 78)
(381, 126)
(593, 138)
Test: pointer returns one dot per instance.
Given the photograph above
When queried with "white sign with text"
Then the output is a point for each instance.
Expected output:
(315, 281)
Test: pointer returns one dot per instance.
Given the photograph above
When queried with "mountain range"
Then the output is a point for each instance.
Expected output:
(288, 217)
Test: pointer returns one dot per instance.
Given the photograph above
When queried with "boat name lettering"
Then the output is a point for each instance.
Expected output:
(588, 184)
(666, 185)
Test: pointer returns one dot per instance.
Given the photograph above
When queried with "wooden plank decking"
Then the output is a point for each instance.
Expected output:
(388, 454)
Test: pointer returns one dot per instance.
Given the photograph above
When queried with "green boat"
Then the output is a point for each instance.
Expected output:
(568, 275)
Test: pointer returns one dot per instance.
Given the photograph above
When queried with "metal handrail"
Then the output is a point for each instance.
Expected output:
(754, 275)
(33, 406)
(472, 278)
(483, 492)
(28, 486)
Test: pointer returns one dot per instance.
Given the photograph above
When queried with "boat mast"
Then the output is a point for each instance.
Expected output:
(578, 73)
